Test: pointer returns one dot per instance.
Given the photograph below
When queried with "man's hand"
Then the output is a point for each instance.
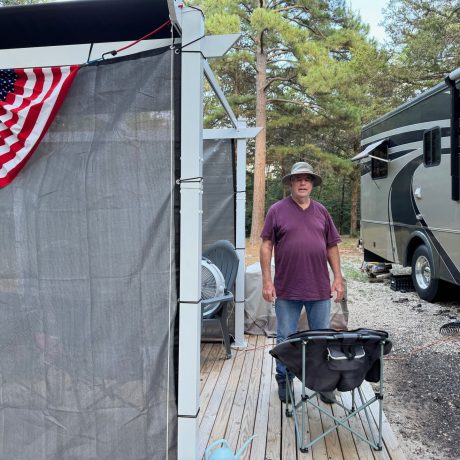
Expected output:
(338, 288)
(333, 258)
(269, 292)
(268, 289)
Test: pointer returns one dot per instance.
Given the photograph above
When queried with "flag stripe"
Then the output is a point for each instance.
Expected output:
(26, 137)
(17, 108)
(22, 87)
(17, 122)
(33, 123)
(26, 115)
(26, 102)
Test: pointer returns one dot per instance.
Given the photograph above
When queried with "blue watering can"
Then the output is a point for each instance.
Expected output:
(224, 452)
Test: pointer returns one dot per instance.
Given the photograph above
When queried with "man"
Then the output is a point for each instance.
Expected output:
(305, 239)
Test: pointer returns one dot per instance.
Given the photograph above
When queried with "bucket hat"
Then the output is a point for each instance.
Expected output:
(302, 168)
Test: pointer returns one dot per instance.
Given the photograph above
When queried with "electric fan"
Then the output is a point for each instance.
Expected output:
(212, 285)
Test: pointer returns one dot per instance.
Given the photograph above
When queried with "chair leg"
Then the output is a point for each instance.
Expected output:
(226, 335)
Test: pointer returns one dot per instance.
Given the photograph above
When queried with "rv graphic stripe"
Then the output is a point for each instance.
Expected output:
(29, 101)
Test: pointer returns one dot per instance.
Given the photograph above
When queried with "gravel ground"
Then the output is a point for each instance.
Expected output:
(422, 372)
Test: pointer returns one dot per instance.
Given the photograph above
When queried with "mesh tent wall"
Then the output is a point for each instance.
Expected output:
(88, 289)
(219, 188)
(188, 138)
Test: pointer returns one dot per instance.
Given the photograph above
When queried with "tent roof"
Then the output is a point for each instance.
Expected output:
(81, 21)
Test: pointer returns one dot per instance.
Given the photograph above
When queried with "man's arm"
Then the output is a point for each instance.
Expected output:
(333, 258)
(268, 289)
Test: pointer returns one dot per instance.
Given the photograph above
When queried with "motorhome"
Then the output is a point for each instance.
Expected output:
(410, 187)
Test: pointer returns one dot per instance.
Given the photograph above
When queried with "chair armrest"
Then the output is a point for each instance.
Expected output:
(224, 298)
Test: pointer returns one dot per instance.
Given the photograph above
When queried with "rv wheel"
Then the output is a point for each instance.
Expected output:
(422, 274)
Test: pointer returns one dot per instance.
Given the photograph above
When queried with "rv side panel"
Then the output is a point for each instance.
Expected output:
(406, 190)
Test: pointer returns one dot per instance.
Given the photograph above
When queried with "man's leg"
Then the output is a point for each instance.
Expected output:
(287, 318)
(319, 313)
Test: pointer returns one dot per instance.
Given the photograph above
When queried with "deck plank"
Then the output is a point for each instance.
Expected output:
(273, 448)
(208, 417)
(239, 397)
(378, 455)
(216, 365)
(319, 450)
(389, 438)
(288, 442)
(221, 421)
(207, 360)
(263, 404)
(332, 439)
(252, 397)
(362, 450)
(347, 445)
(236, 415)
(298, 396)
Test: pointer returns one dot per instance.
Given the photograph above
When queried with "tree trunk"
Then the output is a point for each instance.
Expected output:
(342, 203)
(355, 179)
(258, 204)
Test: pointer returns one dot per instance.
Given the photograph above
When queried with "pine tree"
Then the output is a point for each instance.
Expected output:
(305, 73)
(425, 39)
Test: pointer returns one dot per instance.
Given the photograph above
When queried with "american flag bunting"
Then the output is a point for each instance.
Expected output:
(29, 101)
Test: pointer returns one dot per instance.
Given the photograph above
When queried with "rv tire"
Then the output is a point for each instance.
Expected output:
(426, 285)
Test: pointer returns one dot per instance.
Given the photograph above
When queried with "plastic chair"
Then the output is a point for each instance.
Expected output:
(223, 255)
(325, 360)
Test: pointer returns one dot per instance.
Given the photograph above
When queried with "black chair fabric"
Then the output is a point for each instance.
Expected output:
(333, 359)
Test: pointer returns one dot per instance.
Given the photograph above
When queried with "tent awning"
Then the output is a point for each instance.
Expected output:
(370, 148)
(81, 22)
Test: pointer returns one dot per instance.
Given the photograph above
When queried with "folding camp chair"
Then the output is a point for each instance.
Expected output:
(325, 360)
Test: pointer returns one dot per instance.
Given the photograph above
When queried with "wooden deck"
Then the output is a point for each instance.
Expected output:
(239, 398)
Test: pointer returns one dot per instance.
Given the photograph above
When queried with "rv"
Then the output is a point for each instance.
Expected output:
(410, 188)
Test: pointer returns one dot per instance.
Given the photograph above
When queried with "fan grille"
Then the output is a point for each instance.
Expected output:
(212, 285)
(208, 283)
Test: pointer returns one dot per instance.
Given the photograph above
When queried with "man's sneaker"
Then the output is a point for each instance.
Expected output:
(281, 388)
(327, 397)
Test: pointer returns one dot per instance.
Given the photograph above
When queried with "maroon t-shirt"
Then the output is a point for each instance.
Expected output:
(301, 238)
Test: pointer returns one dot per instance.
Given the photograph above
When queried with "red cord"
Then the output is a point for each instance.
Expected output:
(145, 36)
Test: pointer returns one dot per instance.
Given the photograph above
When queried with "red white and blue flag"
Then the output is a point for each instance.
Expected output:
(29, 101)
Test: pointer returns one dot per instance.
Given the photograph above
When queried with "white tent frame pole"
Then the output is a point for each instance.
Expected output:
(231, 133)
(194, 69)
(220, 95)
(174, 11)
(191, 195)
(241, 134)
(240, 237)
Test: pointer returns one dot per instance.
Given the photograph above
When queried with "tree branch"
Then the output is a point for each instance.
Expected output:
(288, 101)
(273, 79)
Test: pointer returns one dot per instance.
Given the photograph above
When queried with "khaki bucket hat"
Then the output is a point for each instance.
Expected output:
(302, 168)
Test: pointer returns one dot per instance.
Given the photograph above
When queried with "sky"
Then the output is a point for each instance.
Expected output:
(371, 13)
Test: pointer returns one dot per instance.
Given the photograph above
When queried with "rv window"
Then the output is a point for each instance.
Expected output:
(432, 147)
(379, 169)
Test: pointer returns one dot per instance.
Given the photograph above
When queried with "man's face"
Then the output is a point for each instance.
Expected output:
(301, 186)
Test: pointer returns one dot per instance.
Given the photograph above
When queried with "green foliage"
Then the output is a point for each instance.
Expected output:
(324, 80)
(425, 40)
